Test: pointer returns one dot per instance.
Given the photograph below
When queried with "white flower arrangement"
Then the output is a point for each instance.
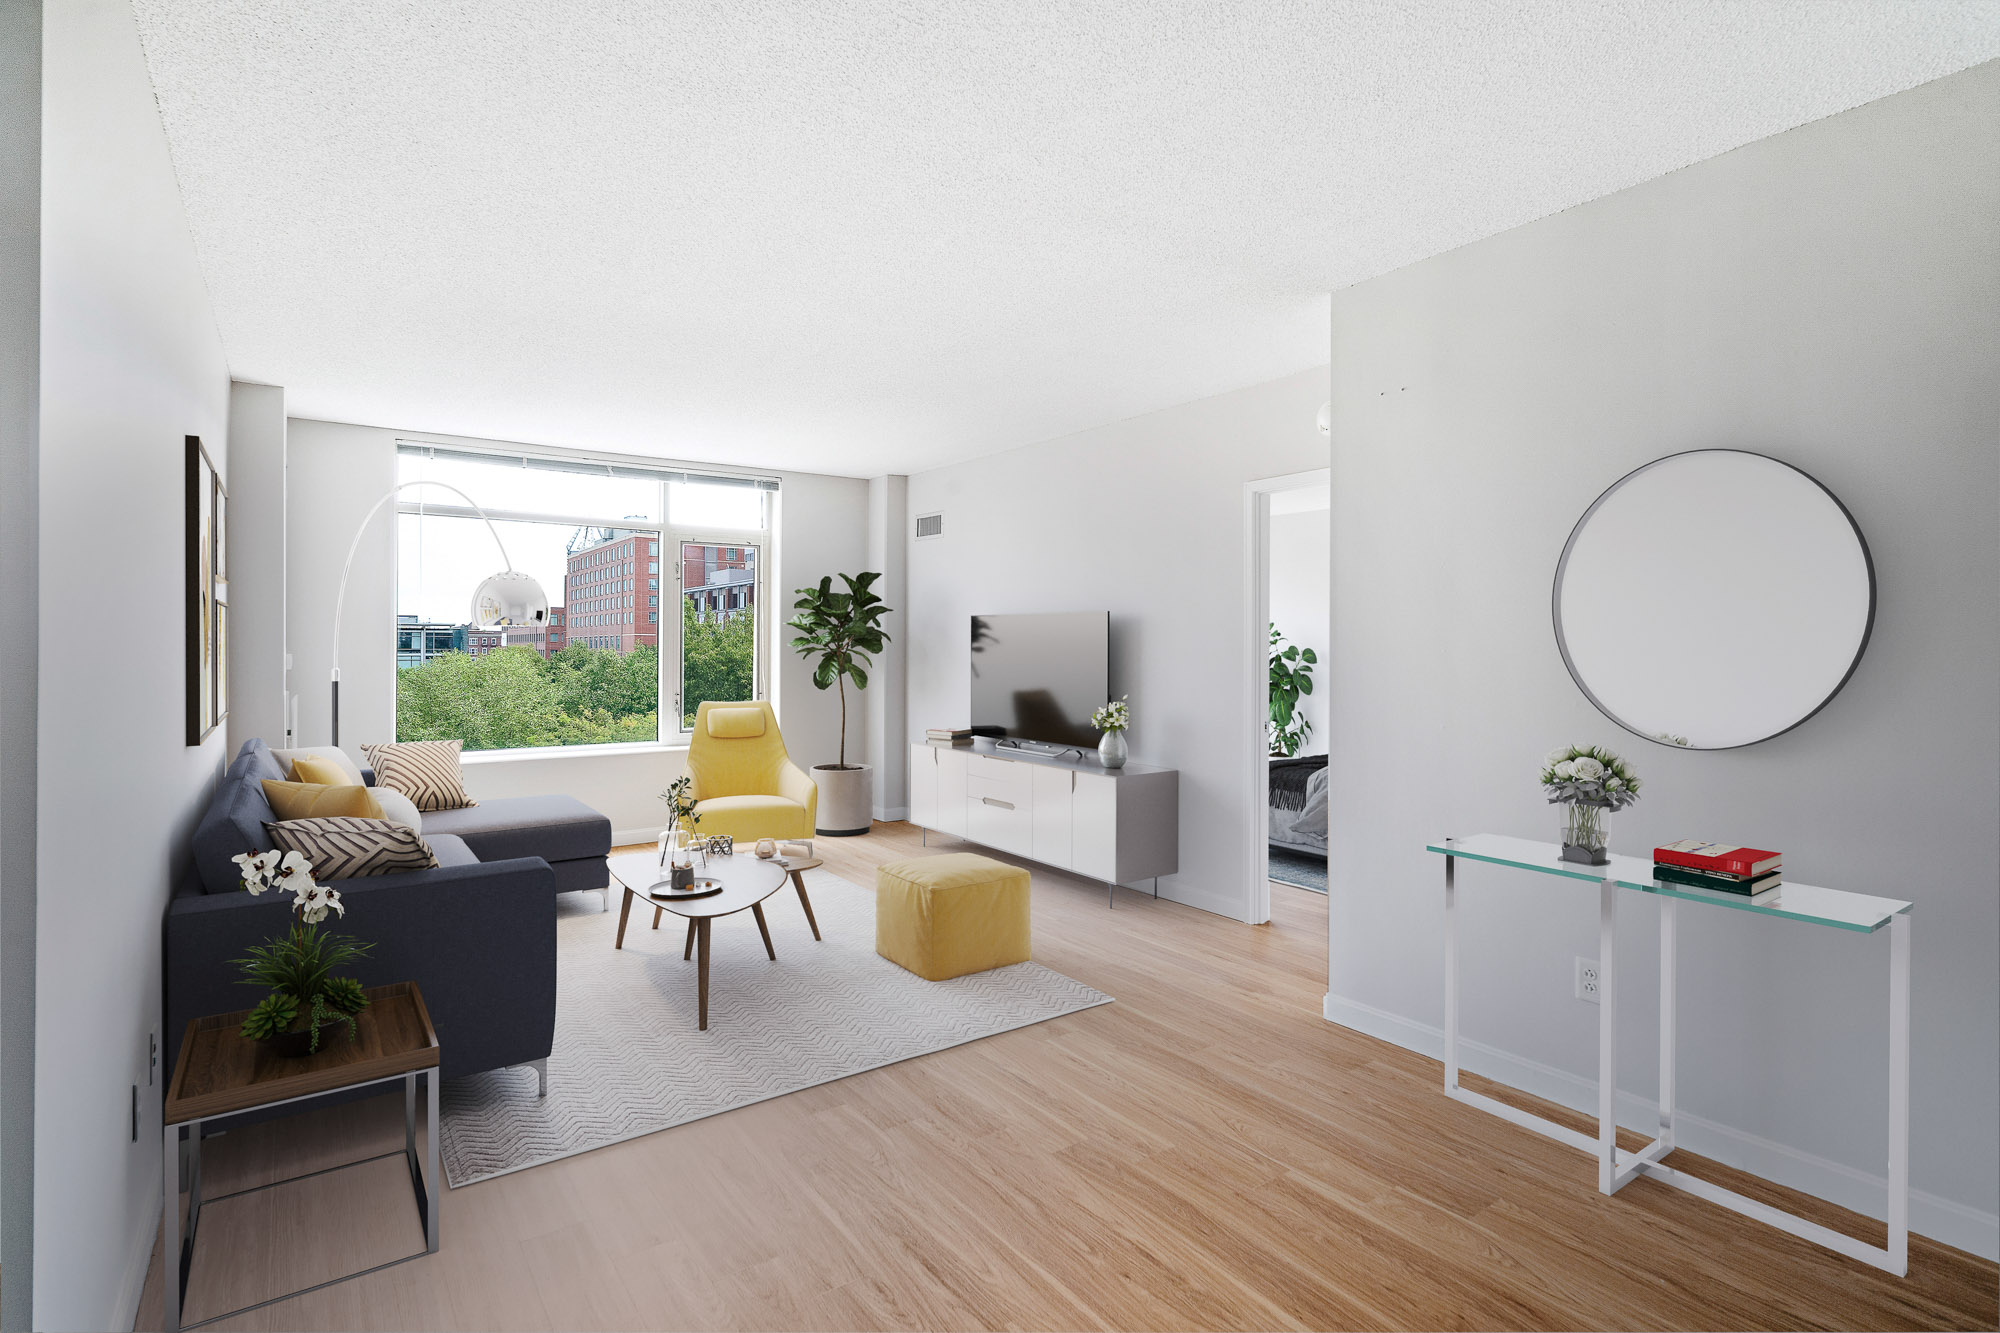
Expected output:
(1114, 716)
(1588, 775)
(292, 873)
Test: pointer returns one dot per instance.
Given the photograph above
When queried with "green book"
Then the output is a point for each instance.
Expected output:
(1720, 883)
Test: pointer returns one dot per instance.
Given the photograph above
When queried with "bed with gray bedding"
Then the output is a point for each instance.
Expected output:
(1298, 803)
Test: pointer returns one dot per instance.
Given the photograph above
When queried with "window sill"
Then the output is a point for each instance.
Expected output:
(570, 752)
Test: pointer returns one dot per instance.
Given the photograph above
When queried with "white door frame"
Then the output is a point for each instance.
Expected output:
(1257, 676)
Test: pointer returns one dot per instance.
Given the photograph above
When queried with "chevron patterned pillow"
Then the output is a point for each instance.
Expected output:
(348, 847)
(425, 771)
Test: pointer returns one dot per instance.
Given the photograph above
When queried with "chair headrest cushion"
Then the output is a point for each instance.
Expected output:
(735, 724)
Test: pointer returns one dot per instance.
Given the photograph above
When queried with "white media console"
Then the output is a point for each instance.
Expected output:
(1119, 825)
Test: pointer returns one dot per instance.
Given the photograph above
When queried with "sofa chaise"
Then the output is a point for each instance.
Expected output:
(477, 933)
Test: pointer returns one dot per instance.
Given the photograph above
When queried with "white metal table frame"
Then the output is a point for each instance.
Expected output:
(177, 1255)
(1617, 1167)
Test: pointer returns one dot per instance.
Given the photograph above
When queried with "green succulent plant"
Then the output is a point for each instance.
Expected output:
(274, 1014)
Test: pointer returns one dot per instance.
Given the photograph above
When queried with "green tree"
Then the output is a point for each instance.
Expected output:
(503, 700)
(718, 660)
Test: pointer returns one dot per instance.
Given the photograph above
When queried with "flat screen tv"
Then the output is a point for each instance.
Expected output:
(1039, 677)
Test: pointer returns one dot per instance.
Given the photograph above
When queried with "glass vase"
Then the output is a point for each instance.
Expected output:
(1586, 835)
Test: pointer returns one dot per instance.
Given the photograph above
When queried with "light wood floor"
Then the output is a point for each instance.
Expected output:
(1208, 1152)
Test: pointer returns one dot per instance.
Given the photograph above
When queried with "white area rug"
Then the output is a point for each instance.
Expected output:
(629, 1060)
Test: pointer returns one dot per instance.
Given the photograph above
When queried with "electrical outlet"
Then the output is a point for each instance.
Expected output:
(1586, 980)
(152, 1057)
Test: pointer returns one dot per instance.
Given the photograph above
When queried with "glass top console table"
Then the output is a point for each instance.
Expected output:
(1859, 912)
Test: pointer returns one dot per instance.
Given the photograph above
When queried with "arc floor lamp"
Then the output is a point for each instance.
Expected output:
(501, 601)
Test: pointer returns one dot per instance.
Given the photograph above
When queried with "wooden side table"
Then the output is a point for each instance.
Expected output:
(219, 1072)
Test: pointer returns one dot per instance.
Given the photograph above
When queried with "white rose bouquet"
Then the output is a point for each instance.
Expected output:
(1594, 783)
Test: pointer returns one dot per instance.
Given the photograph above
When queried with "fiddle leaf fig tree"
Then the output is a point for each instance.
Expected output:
(1291, 679)
(837, 632)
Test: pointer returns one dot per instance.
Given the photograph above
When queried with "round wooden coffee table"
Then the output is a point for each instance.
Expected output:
(746, 883)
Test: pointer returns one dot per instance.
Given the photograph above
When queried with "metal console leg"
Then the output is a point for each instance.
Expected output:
(1451, 973)
(1669, 1005)
(1607, 1036)
(1899, 1094)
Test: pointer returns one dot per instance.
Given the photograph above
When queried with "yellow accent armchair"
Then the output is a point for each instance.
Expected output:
(745, 784)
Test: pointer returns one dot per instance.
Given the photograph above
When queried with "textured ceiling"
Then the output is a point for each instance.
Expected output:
(862, 237)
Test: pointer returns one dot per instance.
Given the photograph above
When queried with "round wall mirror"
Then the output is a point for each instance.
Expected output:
(1714, 599)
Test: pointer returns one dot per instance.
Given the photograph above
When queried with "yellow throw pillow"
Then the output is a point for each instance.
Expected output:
(318, 800)
(323, 772)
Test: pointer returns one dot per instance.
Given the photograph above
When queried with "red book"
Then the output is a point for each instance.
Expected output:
(1718, 857)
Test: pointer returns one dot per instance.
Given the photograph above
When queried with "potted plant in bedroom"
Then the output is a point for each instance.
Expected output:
(1291, 680)
(837, 632)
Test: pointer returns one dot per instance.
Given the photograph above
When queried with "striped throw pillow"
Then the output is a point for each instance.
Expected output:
(425, 771)
(352, 848)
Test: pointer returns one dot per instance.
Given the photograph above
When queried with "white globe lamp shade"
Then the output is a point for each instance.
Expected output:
(509, 600)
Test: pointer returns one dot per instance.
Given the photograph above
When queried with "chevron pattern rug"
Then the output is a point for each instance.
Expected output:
(629, 1060)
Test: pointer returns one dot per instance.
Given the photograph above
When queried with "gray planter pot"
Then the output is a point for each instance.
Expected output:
(846, 800)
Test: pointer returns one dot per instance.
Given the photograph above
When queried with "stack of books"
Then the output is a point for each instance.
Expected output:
(950, 735)
(1717, 865)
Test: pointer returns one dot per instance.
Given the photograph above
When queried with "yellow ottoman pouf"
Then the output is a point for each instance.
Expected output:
(945, 916)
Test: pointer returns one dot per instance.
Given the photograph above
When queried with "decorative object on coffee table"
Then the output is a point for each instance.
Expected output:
(1112, 719)
(837, 632)
(742, 884)
(303, 995)
(720, 844)
(766, 849)
(1590, 783)
(221, 1072)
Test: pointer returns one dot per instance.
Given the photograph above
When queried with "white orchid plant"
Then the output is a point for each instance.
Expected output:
(291, 872)
(1588, 775)
(1114, 716)
(297, 970)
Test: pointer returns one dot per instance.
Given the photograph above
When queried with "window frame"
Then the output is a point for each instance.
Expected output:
(760, 611)
(670, 538)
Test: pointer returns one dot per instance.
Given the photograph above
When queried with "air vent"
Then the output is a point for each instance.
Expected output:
(929, 525)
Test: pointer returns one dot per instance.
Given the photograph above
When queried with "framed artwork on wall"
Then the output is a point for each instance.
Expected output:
(207, 596)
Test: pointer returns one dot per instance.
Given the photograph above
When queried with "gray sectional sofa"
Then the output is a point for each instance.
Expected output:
(477, 933)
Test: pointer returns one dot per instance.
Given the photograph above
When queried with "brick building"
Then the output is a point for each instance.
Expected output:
(611, 589)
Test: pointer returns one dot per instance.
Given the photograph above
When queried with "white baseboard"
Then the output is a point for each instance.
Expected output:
(625, 837)
(891, 814)
(1941, 1219)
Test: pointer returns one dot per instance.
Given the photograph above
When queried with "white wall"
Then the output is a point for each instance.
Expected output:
(20, 375)
(1830, 296)
(888, 684)
(130, 364)
(1299, 605)
(337, 471)
(1144, 519)
(257, 520)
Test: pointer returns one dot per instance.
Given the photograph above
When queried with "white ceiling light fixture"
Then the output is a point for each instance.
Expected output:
(1326, 417)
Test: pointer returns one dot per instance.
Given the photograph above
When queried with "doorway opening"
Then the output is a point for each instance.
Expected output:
(1288, 637)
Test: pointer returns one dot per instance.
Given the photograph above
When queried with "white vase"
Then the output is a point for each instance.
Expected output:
(1111, 749)
(846, 799)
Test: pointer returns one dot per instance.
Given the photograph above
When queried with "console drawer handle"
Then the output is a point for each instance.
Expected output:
(994, 800)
